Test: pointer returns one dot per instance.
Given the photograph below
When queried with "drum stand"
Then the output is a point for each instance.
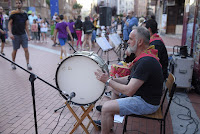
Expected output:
(32, 78)
(79, 120)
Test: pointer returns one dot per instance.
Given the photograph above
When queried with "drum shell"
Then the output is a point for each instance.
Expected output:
(93, 60)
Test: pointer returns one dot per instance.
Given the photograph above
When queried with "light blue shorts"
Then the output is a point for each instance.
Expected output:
(135, 105)
(62, 41)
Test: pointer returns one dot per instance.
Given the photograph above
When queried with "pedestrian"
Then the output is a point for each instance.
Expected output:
(113, 27)
(34, 30)
(124, 17)
(73, 33)
(78, 28)
(54, 16)
(30, 19)
(87, 28)
(94, 32)
(141, 21)
(62, 29)
(18, 27)
(128, 25)
(52, 32)
(44, 29)
(2, 32)
(39, 20)
(5, 24)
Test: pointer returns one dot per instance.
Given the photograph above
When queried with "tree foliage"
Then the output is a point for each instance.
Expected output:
(48, 2)
(77, 6)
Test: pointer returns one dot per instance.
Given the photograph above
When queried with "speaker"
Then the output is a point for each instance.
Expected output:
(105, 16)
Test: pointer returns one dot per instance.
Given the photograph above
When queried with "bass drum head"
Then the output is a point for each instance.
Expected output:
(76, 74)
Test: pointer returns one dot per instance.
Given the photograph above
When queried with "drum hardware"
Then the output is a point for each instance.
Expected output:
(79, 68)
(72, 47)
(32, 78)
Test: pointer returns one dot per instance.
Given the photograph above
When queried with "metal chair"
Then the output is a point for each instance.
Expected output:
(159, 115)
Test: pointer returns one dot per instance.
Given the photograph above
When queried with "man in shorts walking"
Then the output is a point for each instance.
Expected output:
(18, 27)
(143, 86)
(2, 32)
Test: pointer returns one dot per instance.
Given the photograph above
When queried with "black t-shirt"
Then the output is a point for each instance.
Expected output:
(162, 55)
(19, 23)
(78, 24)
(149, 70)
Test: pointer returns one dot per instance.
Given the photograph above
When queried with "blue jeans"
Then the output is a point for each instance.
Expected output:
(135, 105)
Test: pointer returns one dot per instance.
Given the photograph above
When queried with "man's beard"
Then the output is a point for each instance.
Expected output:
(133, 49)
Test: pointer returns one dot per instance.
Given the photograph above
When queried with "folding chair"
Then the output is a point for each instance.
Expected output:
(159, 115)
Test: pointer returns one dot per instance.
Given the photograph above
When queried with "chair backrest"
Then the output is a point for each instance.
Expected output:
(171, 87)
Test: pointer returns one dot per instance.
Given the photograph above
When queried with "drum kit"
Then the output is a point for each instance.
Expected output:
(76, 79)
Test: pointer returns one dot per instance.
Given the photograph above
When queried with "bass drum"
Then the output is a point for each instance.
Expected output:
(76, 74)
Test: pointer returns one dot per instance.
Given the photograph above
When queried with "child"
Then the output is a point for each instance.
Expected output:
(44, 29)
(34, 29)
(52, 32)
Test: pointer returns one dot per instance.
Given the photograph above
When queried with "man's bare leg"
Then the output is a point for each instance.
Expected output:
(109, 109)
(2, 46)
(14, 55)
(26, 55)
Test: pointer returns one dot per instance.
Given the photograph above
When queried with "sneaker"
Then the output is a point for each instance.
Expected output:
(108, 94)
(29, 67)
(99, 107)
(3, 53)
(13, 66)
(97, 122)
(54, 45)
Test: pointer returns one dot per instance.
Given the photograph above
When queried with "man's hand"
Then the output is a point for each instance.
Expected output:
(124, 19)
(103, 77)
(3, 32)
(11, 36)
(29, 38)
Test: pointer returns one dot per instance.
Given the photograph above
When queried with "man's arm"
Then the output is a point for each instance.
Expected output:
(27, 30)
(122, 80)
(133, 22)
(10, 29)
(120, 84)
(2, 31)
(69, 32)
(130, 89)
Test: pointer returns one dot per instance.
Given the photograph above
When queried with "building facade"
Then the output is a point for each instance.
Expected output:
(38, 6)
(169, 15)
(42, 7)
(122, 6)
(140, 8)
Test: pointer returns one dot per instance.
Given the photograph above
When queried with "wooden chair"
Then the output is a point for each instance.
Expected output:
(159, 115)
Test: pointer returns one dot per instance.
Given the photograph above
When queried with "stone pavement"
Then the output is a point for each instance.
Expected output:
(16, 109)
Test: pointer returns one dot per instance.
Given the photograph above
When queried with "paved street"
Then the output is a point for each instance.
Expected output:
(16, 109)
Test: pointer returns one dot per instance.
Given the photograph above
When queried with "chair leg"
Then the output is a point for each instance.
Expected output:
(125, 123)
(161, 125)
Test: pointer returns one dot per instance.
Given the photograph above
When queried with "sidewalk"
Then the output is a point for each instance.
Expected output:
(16, 109)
